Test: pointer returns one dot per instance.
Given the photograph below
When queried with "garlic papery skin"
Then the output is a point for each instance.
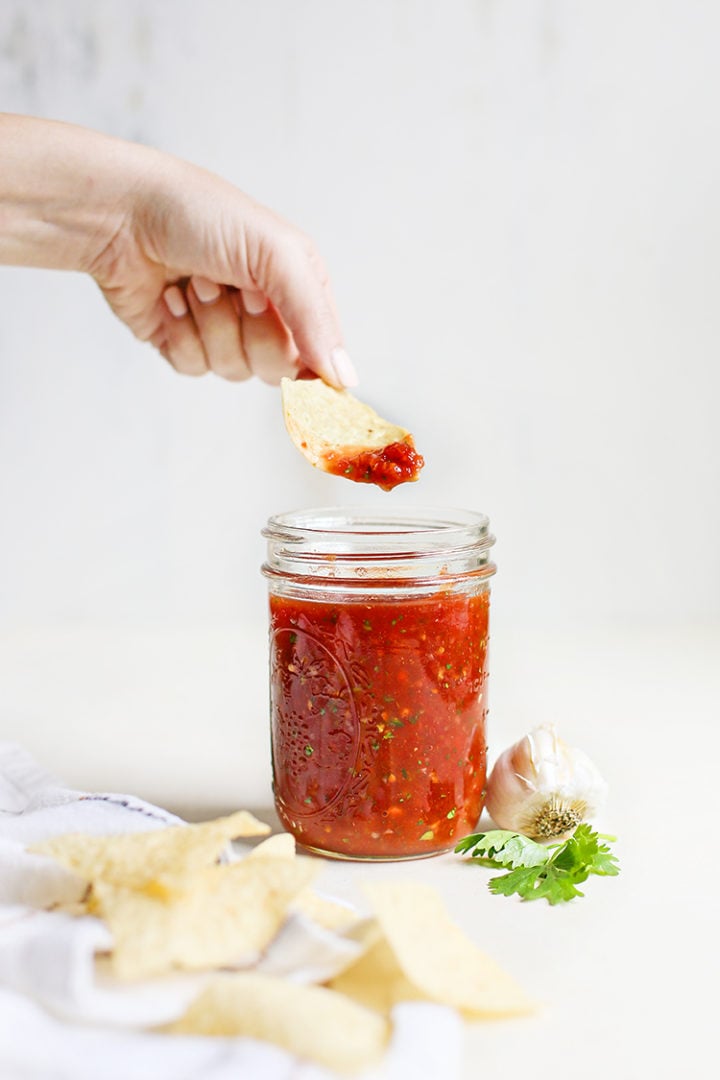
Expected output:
(542, 787)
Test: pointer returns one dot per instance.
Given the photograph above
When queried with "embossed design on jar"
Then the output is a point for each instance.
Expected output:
(315, 728)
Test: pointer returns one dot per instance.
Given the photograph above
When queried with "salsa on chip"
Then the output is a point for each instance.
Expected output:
(343, 436)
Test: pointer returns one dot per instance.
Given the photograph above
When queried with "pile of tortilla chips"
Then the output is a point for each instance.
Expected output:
(172, 900)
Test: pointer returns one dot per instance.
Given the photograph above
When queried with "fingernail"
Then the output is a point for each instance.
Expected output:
(175, 301)
(255, 302)
(344, 368)
(206, 291)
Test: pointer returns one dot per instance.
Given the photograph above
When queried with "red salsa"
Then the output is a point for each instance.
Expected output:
(387, 466)
(378, 721)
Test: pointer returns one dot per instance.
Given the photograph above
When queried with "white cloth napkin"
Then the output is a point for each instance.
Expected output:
(61, 1019)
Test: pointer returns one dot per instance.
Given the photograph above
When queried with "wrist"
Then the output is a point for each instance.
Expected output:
(65, 192)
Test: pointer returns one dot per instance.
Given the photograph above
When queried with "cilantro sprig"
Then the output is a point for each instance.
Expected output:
(541, 871)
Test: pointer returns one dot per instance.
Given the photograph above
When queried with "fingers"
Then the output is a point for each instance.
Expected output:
(270, 348)
(208, 327)
(182, 345)
(254, 302)
(219, 329)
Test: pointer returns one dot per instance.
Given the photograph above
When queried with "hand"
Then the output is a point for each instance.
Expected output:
(214, 280)
(217, 282)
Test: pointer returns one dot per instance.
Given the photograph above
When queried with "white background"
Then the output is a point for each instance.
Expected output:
(519, 203)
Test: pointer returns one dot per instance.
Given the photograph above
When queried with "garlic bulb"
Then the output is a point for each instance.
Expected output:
(543, 788)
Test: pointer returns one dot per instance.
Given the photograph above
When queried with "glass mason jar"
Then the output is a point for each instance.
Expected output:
(378, 677)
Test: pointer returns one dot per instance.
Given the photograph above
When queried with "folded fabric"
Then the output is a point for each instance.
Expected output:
(63, 1018)
(35, 1046)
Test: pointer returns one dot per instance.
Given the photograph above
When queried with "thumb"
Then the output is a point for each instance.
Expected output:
(289, 271)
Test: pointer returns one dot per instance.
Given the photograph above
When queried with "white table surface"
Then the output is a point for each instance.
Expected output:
(626, 977)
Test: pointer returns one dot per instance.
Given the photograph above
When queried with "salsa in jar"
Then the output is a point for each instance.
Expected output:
(378, 685)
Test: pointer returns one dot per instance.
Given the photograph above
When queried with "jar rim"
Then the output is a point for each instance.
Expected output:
(356, 547)
(378, 527)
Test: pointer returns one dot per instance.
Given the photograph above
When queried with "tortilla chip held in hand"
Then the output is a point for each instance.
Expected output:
(343, 436)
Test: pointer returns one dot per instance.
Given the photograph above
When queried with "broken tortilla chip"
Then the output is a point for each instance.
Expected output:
(136, 860)
(436, 957)
(377, 981)
(326, 912)
(280, 846)
(231, 913)
(343, 436)
(310, 1022)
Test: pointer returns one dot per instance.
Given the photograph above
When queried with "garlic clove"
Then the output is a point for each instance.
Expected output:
(542, 787)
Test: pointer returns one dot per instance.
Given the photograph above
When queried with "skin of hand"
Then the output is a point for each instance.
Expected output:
(215, 281)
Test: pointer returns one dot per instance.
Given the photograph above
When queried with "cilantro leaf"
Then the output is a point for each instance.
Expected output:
(584, 850)
(500, 847)
(605, 863)
(536, 883)
(538, 871)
